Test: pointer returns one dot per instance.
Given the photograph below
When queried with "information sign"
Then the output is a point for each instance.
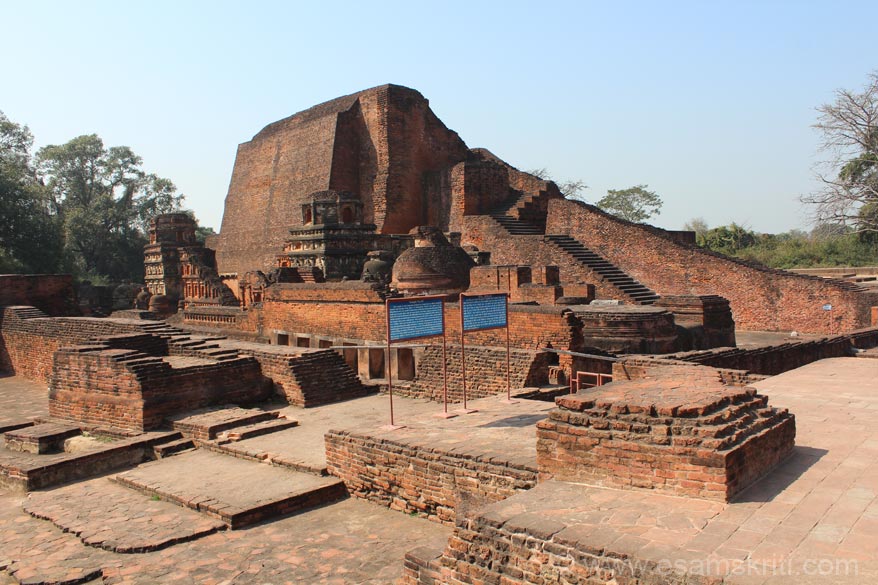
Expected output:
(414, 318)
(483, 311)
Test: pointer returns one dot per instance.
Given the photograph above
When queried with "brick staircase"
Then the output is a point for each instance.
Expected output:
(609, 272)
(523, 214)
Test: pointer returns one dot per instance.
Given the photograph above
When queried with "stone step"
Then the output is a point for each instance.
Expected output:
(257, 429)
(237, 491)
(172, 448)
(205, 425)
(41, 438)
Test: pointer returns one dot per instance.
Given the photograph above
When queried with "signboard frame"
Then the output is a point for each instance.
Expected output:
(388, 303)
(464, 331)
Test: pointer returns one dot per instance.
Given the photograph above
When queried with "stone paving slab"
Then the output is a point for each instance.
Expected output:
(348, 542)
(238, 492)
(109, 516)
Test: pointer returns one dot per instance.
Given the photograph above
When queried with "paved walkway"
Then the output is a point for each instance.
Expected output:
(814, 520)
(21, 399)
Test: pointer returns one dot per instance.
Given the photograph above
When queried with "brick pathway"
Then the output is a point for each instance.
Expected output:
(348, 542)
(22, 399)
(108, 516)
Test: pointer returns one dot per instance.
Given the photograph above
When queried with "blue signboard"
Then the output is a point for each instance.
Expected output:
(483, 311)
(414, 318)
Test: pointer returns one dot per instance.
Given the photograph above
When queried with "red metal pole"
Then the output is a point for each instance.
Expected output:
(444, 364)
(387, 365)
(508, 380)
(462, 354)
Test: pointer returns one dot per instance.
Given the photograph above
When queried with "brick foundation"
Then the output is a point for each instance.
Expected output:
(680, 431)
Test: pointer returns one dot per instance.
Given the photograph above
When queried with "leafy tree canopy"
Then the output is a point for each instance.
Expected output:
(635, 204)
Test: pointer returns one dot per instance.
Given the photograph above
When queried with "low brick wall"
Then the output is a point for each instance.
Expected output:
(420, 480)
(681, 432)
(776, 359)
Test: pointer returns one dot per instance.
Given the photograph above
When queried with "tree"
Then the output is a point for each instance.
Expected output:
(103, 200)
(29, 235)
(728, 240)
(697, 225)
(635, 204)
(849, 174)
(572, 189)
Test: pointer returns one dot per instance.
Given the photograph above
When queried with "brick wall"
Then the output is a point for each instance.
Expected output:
(680, 431)
(28, 340)
(51, 293)
(414, 479)
(486, 372)
(761, 298)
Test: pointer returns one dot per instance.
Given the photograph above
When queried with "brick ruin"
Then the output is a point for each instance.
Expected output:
(369, 196)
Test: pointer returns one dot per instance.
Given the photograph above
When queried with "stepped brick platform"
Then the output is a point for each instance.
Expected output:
(689, 436)
(206, 424)
(129, 389)
(40, 439)
(486, 372)
(240, 493)
(111, 517)
(24, 472)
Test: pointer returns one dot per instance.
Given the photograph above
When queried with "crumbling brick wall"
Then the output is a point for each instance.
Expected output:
(418, 480)
(28, 338)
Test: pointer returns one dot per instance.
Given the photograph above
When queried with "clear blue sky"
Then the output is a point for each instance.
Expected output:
(709, 103)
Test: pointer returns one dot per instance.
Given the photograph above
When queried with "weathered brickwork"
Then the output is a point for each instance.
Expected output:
(51, 293)
(131, 390)
(380, 143)
(28, 338)
(486, 372)
(415, 479)
(761, 298)
(680, 431)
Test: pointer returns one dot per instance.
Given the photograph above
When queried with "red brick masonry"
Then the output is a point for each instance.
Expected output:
(688, 436)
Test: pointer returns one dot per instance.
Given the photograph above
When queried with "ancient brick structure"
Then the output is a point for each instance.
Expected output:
(384, 159)
(128, 389)
(680, 431)
(381, 144)
(486, 372)
(761, 298)
(178, 267)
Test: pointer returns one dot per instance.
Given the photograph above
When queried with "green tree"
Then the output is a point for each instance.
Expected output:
(849, 174)
(729, 239)
(635, 204)
(103, 200)
(697, 225)
(29, 235)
